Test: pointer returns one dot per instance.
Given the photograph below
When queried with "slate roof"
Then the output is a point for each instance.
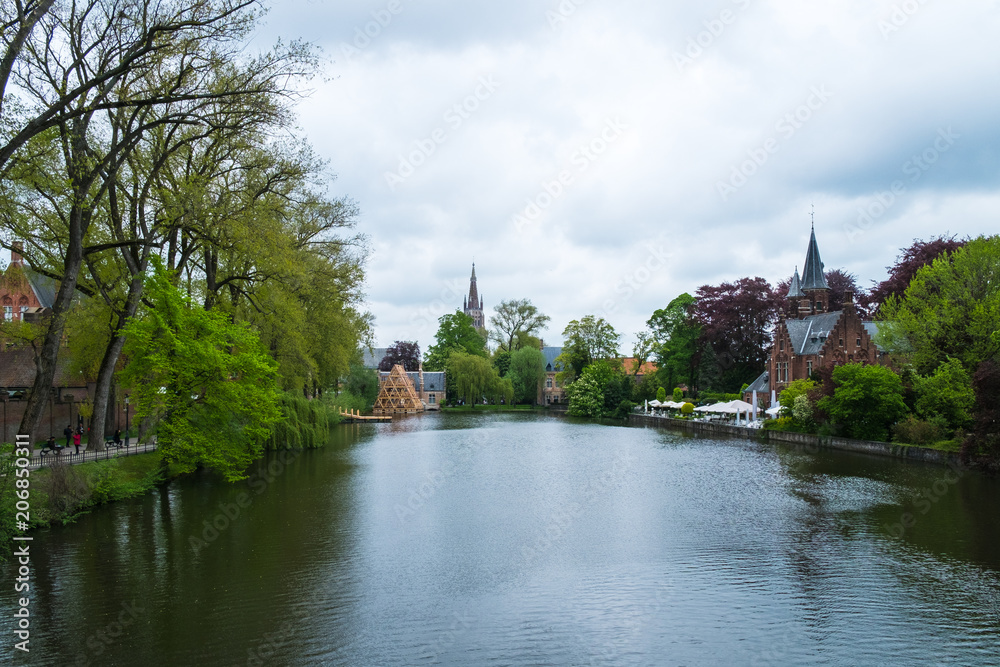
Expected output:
(761, 385)
(812, 272)
(45, 288)
(550, 354)
(795, 289)
(370, 358)
(809, 334)
(872, 329)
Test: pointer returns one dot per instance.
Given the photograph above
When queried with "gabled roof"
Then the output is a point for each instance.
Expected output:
(45, 288)
(810, 333)
(647, 368)
(812, 272)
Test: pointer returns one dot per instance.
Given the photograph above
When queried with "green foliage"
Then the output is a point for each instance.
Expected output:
(474, 380)
(305, 423)
(455, 332)
(661, 394)
(946, 395)
(678, 338)
(678, 394)
(915, 431)
(515, 324)
(866, 401)
(951, 309)
(792, 392)
(526, 374)
(362, 384)
(709, 397)
(586, 341)
(802, 411)
(207, 383)
(687, 408)
(783, 424)
(586, 397)
(501, 362)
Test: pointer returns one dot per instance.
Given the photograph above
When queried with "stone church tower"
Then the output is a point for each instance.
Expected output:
(472, 305)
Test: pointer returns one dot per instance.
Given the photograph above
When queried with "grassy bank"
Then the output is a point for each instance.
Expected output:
(61, 493)
(495, 408)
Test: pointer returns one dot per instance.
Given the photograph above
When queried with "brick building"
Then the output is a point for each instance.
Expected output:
(809, 336)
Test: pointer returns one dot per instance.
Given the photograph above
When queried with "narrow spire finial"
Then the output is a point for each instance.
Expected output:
(813, 217)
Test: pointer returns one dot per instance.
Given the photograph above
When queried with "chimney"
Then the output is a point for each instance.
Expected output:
(16, 248)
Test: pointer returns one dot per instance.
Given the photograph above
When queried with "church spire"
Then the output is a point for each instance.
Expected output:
(473, 304)
(795, 289)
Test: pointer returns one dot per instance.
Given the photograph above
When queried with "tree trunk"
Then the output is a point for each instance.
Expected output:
(46, 367)
(106, 374)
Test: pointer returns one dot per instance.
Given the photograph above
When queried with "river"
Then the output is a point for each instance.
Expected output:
(506, 539)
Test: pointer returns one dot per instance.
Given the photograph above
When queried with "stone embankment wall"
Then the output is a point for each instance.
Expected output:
(827, 442)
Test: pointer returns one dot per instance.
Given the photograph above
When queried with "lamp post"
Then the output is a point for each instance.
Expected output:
(4, 399)
(126, 421)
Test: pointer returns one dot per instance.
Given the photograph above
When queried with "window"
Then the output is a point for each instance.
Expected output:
(809, 368)
(431, 399)
(841, 342)
(781, 345)
(8, 313)
(548, 382)
(858, 343)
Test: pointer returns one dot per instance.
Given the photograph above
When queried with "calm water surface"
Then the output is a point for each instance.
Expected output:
(530, 540)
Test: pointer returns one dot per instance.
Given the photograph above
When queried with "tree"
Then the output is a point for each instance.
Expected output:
(363, 383)
(601, 380)
(679, 342)
(193, 373)
(92, 79)
(474, 380)
(586, 397)
(515, 318)
(946, 396)
(983, 444)
(526, 374)
(455, 332)
(793, 391)
(401, 352)
(951, 309)
(661, 394)
(586, 341)
(908, 263)
(866, 401)
(501, 362)
(737, 322)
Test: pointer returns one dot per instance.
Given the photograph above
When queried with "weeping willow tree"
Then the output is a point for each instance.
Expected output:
(305, 424)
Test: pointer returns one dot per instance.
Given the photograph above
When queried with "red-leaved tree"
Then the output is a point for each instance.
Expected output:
(909, 261)
(401, 352)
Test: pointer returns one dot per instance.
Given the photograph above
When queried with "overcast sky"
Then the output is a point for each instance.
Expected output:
(603, 157)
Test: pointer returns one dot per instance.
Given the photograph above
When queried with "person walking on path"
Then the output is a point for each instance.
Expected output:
(118, 437)
(76, 440)
(68, 432)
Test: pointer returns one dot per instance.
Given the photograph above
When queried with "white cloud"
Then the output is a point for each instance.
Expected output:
(688, 126)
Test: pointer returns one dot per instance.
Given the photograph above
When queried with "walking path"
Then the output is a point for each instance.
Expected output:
(68, 455)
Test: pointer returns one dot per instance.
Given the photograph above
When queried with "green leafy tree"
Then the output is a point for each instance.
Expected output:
(678, 394)
(474, 380)
(951, 309)
(501, 362)
(661, 394)
(526, 374)
(362, 383)
(866, 401)
(585, 341)
(514, 319)
(679, 347)
(802, 410)
(792, 392)
(207, 383)
(586, 397)
(946, 396)
(455, 332)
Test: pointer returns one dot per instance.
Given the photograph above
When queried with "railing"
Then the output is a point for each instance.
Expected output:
(39, 460)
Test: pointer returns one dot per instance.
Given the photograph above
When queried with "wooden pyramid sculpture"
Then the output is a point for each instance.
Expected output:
(396, 395)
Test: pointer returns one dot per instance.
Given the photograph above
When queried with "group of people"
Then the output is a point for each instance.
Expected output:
(76, 436)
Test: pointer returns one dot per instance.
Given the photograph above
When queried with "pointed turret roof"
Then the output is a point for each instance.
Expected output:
(473, 290)
(795, 289)
(812, 273)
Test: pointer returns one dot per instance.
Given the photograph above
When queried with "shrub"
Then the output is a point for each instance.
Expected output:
(915, 431)
(661, 394)
(678, 394)
(867, 400)
(687, 408)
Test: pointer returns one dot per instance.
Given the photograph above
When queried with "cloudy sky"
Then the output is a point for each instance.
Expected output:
(603, 157)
